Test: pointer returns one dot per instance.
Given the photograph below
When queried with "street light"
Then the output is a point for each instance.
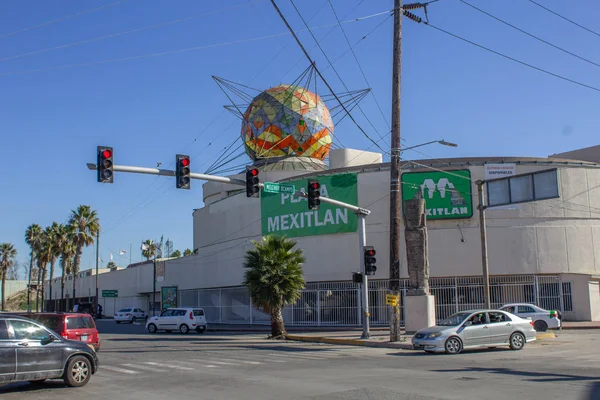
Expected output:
(442, 142)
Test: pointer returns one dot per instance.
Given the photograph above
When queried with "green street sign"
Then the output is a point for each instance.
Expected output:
(447, 194)
(110, 293)
(284, 214)
(271, 187)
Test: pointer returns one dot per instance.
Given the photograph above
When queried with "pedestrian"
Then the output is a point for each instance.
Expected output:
(76, 307)
(99, 311)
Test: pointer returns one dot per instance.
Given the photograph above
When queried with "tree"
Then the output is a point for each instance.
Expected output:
(187, 252)
(112, 266)
(85, 224)
(66, 246)
(52, 233)
(148, 249)
(7, 260)
(176, 254)
(43, 250)
(32, 237)
(274, 277)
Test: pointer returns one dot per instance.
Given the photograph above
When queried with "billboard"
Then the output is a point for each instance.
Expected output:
(168, 297)
(285, 214)
(447, 194)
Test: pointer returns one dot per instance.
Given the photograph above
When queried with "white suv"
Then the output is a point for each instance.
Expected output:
(130, 314)
(181, 319)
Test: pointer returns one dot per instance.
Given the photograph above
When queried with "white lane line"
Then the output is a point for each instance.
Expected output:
(143, 367)
(170, 366)
(298, 356)
(116, 369)
(201, 364)
(240, 361)
(212, 361)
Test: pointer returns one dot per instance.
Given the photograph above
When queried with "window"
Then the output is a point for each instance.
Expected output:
(125, 310)
(198, 313)
(525, 310)
(3, 330)
(540, 185)
(25, 330)
(545, 185)
(80, 323)
(521, 189)
(50, 322)
(478, 319)
(498, 192)
(178, 313)
(510, 309)
(497, 317)
(167, 313)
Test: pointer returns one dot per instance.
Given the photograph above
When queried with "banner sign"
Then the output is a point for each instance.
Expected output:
(168, 297)
(285, 214)
(495, 171)
(447, 194)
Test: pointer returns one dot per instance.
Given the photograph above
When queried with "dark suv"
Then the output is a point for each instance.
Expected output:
(31, 352)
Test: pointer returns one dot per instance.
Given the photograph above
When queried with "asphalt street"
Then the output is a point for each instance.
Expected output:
(137, 365)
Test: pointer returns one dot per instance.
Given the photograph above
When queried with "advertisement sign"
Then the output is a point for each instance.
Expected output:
(160, 271)
(447, 194)
(285, 214)
(495, 171)
(168, 297)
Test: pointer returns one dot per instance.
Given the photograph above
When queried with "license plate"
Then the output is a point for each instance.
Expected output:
(83, 338)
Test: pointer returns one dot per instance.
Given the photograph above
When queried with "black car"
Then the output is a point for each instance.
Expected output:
(31, 352)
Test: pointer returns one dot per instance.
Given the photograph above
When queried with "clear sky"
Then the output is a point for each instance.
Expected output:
(56, 106)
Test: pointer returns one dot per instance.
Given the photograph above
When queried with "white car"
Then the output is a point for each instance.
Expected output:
(180, 318)
(130, 314)
(542, 319)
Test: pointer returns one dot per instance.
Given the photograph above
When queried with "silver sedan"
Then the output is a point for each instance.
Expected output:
(476, 328)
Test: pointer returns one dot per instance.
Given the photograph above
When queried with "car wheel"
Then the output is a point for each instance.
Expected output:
(78, 371)
(453, 345)
(132, 320)
(540, 326)
(37, 381)
(517, 341)
(201, 329)
(152, 328)
(184, 329)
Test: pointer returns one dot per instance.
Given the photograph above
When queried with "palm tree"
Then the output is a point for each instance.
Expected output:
(32, 237)
(274, 277)
(176, 254)
(42, 250)
(47, 254)
(66, 248)
(187, 252)
(85, 224)
(148, 249)
(53, 232)
(7, 260)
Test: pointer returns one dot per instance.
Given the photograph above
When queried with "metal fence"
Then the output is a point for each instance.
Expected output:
(338, 303)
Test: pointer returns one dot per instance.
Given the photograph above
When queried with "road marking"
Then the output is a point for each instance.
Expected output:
(240, 361)
(116, 369)
(170, 366)
(143, 367)
(298, 356)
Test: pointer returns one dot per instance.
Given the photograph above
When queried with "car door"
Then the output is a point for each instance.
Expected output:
(37, 356)
(8, 354)
(165, 321)
(500, 326)
(525, 311)
(478, 333)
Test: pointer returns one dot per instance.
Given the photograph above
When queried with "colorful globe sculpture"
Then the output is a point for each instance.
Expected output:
(287, 121)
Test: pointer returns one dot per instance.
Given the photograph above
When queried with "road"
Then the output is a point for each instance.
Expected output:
(137, 365)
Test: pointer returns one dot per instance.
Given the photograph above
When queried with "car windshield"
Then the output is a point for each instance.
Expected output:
(52, 322)
(125, 310)
(454, 319)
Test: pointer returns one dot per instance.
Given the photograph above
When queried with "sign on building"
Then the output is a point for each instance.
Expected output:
(110, 293)
(447, 194)
(168, 297)
(495, 171)
(285, 214)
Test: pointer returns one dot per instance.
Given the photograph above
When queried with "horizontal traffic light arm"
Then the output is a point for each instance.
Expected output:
(223, 179)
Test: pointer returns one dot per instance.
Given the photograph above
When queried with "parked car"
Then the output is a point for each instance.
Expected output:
(477, 328)
(130, 314)
(72, 326)
(542, 319)
(182, 319)
(31, 352)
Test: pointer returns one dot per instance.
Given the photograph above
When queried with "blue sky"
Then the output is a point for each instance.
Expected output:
(151, 108)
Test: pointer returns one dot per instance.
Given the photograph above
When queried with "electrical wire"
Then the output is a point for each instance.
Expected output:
(514, 59)
(565, 18)
(61, 19)
(530, 34)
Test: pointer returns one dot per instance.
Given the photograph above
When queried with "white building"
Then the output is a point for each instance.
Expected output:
(543, 251)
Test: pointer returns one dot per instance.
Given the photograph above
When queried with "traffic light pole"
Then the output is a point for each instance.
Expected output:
(362, 242)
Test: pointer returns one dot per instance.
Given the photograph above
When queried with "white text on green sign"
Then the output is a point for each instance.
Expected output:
(272, 187)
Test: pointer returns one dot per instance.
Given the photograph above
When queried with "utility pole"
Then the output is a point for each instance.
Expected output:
(395, 174)
(484, 257)
(154, 290)
(97, 260)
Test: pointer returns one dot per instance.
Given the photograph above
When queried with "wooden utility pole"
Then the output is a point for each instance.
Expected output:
(484, 256)
(395, 184)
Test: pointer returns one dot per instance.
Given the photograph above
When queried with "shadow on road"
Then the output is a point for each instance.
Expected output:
(22, 387)
(534, 376)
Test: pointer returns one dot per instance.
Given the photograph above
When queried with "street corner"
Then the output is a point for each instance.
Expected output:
(404, 345)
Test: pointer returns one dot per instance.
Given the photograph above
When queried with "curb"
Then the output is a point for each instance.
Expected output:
(388, 345)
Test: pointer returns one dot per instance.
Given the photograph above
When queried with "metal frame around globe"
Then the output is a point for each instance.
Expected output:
(287, 120)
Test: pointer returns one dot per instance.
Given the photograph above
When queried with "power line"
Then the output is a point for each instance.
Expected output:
(61, 19)
(530, 34)
(321, 75)
(565, 18)
(514, 59)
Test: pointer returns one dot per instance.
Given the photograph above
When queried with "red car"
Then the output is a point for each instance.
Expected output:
(72, 326)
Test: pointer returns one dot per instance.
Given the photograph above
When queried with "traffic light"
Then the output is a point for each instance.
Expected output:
(104, 164)
(252, 181)
(182, 171)
(313, 192)
(357, 277)
(370, 260)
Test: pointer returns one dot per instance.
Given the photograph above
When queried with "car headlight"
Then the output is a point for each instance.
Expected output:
(434, 335)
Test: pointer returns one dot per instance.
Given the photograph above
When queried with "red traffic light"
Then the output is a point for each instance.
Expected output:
(254, 172)
(107, 154)
(371, 252)
(185, 162)
(315, 185)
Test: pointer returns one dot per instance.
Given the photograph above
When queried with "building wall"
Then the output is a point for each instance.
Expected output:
(13, 286)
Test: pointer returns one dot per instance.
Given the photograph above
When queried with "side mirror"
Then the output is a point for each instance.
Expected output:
(468, 323)
(49, 339)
